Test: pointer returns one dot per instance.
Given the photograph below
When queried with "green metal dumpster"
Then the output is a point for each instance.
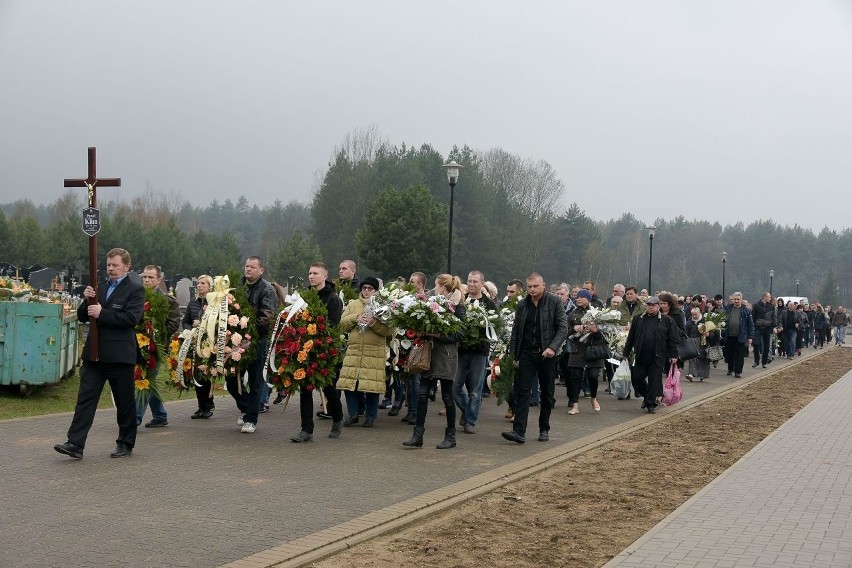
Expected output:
(38, 344)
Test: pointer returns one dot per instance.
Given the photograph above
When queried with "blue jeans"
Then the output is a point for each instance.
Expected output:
(248, 399)
(397, 388)
(353, 403)
(412, 389)
(158, 409)
(840, 335)
(467, 386)
(789, 342)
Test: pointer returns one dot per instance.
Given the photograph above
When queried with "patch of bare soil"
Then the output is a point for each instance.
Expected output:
(585, 511)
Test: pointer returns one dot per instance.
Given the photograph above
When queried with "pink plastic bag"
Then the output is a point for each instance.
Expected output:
(671, 390)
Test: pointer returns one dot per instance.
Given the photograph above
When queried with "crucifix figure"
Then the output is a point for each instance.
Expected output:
(91, 228)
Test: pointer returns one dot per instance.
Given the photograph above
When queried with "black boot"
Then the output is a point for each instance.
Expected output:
(416, 439)
(449, 440)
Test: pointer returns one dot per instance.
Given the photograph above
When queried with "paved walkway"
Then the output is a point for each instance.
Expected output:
(200, 493)
(787, 503)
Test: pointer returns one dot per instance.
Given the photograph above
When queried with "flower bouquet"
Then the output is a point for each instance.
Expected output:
(305, 348)
(391, 299)
(222, 344)
(482, 326)
(501, 380)
(605, 319)
(400, 347)
(151, 338)
(435, 314)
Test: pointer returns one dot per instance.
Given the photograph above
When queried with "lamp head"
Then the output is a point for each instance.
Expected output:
(452, 170)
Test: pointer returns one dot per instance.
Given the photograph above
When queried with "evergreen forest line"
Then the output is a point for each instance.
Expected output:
(386, 207)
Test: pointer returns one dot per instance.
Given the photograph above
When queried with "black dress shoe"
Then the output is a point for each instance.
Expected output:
(513, 436)
(70, 449)
(197, 414)
(121, 451)
(207, 414)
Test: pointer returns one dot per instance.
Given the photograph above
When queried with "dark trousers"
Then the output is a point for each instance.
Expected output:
(577, 376)
(736, 355)
(306, 406)
(820, 337)
(531, 365)
(93, 376)
(426, 385)
(647, 379)
(762, 342)
(204, 394)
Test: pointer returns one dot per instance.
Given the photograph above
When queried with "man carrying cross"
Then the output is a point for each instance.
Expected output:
(117, 310)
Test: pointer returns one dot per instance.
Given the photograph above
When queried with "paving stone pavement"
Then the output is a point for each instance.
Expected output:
(787, 503)
(200, 493)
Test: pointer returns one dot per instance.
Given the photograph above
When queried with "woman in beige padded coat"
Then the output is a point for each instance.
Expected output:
(363, 369)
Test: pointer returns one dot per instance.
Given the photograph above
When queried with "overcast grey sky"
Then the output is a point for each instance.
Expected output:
(725, 110)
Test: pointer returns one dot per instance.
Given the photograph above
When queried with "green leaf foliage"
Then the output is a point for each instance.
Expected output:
(403, 232)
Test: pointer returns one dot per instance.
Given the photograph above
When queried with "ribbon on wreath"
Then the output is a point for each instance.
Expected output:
(214, 322)
(297, 305)
(188, 336)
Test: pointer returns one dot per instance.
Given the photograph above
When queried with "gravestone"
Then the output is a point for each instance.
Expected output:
(42, 279)
(184, 292)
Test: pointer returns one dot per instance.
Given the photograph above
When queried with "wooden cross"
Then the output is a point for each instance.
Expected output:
(91, 182)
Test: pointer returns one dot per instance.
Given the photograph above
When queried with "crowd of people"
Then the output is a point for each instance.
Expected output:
(552, 342)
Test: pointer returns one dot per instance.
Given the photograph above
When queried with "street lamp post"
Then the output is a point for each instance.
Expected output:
(724, 261)
(651, 230)
(797, 286)
(452, 170)
(771, 276)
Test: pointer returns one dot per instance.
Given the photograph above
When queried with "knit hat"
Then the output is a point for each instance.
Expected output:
(370, 281)
(585, 294)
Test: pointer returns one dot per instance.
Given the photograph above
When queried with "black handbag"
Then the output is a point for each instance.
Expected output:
(597, 352)
(687, 348)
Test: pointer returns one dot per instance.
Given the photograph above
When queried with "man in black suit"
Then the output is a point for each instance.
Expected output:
(117, 311)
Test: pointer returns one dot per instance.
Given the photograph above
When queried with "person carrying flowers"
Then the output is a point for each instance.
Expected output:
(444, 359)
(261, 296)
(364, 364)
(191, 318)
(318, 278)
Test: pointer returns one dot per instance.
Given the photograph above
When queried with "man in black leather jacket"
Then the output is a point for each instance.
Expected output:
(541, 327)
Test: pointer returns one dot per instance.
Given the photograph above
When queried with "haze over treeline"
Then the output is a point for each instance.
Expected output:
(386, 206)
